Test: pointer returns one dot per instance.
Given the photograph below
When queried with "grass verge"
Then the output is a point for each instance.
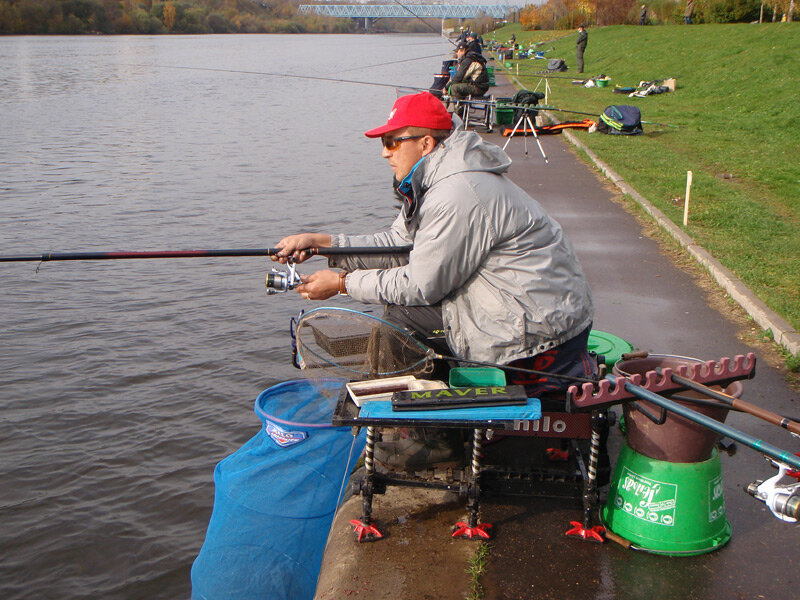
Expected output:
(736, 117)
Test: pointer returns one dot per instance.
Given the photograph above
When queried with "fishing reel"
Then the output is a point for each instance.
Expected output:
(782, 500)
(282, 281)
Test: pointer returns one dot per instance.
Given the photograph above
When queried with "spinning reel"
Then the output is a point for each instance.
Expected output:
(283, 281)
(783, 500)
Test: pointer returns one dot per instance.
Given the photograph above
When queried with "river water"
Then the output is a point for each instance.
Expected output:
(122, 383)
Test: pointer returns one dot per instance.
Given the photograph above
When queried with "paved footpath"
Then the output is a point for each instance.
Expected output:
(642, 297)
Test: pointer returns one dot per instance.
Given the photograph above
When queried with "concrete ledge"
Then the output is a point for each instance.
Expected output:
(417, 559)
(782, 331)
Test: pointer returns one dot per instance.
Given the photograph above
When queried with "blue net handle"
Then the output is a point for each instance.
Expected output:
(310, 404)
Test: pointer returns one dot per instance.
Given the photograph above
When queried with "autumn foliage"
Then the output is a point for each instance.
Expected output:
(568, 14)
(170, 16)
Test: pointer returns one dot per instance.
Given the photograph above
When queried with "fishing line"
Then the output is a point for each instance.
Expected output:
(419, 44)
(423, 20)
(394, 62)
(344, 475)
(291, 76)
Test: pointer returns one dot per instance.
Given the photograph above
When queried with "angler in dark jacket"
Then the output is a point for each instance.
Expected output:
(580, 46)
(471, 78)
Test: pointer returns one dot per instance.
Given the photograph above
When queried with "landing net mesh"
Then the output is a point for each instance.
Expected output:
(357, 345)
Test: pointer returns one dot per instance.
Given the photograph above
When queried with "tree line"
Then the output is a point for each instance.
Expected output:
(568, 14)
(172, 16)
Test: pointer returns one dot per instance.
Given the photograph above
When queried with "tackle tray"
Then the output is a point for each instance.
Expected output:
(461, 397)
(348, 414)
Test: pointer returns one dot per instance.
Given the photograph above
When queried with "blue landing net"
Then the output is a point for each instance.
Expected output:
(276, 497)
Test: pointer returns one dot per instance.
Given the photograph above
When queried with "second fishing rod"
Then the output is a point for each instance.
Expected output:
(547, 107)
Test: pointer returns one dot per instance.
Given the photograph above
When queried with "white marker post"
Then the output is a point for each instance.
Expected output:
(686, 201)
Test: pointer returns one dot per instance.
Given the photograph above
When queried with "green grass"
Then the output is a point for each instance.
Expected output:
(737, 113)
(476, 569)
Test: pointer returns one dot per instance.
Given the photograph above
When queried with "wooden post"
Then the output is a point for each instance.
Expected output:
(686, 201)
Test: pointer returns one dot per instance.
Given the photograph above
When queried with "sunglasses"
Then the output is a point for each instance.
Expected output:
(391, 143)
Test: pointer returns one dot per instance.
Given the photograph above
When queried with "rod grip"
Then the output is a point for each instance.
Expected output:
(610, 535)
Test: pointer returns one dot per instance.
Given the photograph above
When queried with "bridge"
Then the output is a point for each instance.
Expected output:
(372, 12)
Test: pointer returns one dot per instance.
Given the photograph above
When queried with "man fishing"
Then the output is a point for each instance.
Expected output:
(471, 78)
(488, 267)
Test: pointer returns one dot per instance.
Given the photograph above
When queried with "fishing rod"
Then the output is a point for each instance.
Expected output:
(539, 107)
(773, 452)
(556, 39)
(238, 252)
(544, 75)
(781, 421)
(577, 112)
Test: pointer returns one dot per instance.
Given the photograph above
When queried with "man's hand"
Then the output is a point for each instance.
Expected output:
(294, 246)
(319, 286)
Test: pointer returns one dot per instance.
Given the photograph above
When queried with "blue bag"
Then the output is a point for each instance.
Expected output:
(621, 120)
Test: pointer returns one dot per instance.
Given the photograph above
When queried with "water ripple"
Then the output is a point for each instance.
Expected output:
(124, 383)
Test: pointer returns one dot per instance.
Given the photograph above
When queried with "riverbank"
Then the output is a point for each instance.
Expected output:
(641, 296)
(744, 204)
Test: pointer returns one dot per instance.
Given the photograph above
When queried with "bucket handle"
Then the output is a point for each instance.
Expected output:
(657, 420)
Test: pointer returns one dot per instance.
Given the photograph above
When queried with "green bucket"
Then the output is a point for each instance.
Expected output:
(609, 348)
(504, 116)
(667, 508)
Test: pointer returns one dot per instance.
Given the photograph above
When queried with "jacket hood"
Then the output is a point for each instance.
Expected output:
(462, 151)
(475, 55)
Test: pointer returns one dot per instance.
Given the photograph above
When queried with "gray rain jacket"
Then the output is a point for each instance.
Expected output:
(508, 280)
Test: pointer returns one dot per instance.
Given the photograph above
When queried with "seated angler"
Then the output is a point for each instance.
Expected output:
(489, 269)
(472, 77)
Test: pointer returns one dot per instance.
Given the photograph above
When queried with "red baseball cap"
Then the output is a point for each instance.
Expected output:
(415, 110)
